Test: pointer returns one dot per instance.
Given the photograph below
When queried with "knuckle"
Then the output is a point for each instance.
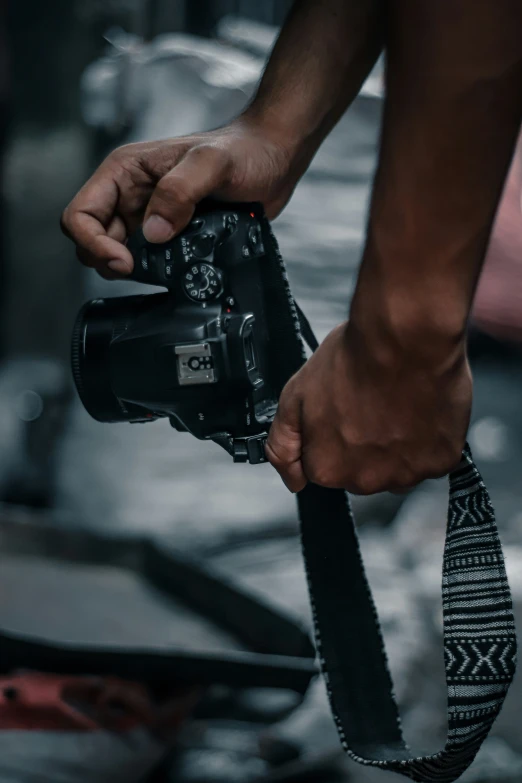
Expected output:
(289, 401)
(173, 191)
(121, 153)
(278, 452)
(126, 158)
(208, 152)
(363, 486)
(367, 483)
(65, 220)
(214, 159)
(444, 462)
(71, 226)
(455, 455)
(321, 475)
(274, 458)
(406, 479)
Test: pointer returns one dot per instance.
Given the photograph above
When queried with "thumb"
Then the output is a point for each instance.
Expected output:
(284, 445)
(199, 173)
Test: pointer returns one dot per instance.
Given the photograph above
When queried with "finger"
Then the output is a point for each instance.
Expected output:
(284, 445)
(200, 173)
(104, 271)
(116, 269)
(86, 218)
(115, 230)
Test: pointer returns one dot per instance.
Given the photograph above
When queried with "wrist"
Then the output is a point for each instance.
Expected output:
(299, 138)
(410, 328)
(413, 297)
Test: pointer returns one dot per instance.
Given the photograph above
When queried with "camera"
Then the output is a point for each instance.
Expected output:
(198, 353)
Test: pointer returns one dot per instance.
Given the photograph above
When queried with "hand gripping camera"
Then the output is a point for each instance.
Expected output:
(199, 353)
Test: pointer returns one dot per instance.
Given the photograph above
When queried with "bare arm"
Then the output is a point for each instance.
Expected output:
(324, 53)
(453, 111)
(385, 402)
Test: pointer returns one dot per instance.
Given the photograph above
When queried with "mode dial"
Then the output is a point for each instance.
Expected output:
(202, 282)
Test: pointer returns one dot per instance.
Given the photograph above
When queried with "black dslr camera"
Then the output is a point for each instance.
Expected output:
(196, 354)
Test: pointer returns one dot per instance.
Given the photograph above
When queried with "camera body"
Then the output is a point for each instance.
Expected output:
(197, 353)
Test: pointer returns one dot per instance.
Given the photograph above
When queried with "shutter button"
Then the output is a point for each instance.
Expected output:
(203, 245)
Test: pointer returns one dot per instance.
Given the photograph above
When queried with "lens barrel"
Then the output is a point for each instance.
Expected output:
(98, 323)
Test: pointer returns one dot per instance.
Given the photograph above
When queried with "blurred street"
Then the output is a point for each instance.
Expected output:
(148, 480)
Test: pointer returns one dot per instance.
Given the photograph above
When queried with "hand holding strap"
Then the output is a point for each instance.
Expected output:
(479, 629)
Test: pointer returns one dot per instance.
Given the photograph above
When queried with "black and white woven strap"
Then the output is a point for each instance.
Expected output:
(479, 630)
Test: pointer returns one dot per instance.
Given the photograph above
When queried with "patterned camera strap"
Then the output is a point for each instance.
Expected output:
(479, 629)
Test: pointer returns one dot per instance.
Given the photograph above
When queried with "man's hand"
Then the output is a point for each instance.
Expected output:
(258, 157)
(348, 419)
(160, 183)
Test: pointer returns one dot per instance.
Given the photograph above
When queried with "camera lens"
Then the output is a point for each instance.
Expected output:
(99, 322)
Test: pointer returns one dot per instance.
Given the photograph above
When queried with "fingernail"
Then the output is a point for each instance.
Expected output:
(119, 266)
(157, 229)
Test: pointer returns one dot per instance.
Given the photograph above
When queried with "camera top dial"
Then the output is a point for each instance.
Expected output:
(202, 282)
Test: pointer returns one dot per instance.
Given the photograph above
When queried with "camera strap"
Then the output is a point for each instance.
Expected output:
(479, 629)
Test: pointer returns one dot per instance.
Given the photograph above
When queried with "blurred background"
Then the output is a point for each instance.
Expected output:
(77, 78)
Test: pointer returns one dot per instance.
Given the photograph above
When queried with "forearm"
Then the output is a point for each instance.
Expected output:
(453, 110)
(322, 56)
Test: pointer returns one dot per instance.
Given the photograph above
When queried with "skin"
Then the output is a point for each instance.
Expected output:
(385, 401)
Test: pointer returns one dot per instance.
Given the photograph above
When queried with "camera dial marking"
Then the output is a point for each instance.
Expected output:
(202, 282)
